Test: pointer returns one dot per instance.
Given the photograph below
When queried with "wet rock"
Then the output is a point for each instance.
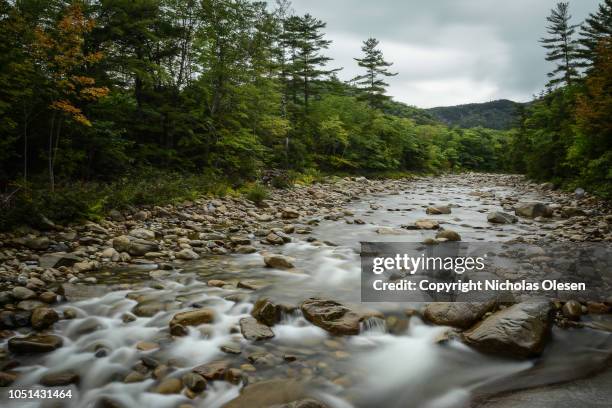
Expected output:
(22, 293)
(134, 246)
(234, 376)
(7, 319)
(457, 314)
(267, 394)
(35, 343)
(332, 316)
(169, 386)
(43, 317)
(193, 318)
(29, 305)
(69, 314)
(274, 239)
(249, 284)
(7, 379)
(499, 217)
(252, 330)
(572, 310)
(231, 348)
(266, 312)
(195, 382)
(57, 260)
(186, 254)
(533, 210)
(134, 376)
(59, 379)
(48, 297)
(438, 210)
(449, 235)
(214, 370)
(245, 249)
(217, 283)
(427, 224)
(146, 346)
(518, 331)
(278, 261)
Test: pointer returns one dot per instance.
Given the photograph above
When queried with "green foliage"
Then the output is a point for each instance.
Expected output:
(255, 192)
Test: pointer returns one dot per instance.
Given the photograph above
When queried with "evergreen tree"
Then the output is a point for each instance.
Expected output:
(371, 83)
(561, 46)
(305, 40)
(596, 27)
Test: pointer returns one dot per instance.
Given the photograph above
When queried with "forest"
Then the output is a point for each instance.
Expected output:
(108, 104)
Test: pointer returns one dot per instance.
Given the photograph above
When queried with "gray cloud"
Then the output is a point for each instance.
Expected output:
(446, 52)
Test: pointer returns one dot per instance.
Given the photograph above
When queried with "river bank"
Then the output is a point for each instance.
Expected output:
(194, 301)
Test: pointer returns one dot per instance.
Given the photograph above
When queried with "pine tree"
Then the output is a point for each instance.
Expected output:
(596, 27)
(371, 83)
(305, 40)
(561, 47)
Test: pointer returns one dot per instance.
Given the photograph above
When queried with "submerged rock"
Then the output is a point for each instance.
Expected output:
(518, 331)
(43, 317)
(266, 394)
(214, 370)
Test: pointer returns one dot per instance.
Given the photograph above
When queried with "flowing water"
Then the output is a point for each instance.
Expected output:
(405, 369)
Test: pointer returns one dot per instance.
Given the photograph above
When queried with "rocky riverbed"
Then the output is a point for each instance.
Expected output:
(222, 302)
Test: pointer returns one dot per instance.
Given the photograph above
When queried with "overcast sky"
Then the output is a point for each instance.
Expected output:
(446, 52)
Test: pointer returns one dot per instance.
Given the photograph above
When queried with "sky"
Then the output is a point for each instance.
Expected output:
(446, 52)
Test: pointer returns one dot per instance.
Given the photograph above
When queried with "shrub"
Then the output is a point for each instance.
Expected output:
(256, 193)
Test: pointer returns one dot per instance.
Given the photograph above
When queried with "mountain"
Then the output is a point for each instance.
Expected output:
(420, 116)
(501, 114)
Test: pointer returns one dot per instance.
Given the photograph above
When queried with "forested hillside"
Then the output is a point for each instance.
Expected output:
(111, 103)
(501, 114)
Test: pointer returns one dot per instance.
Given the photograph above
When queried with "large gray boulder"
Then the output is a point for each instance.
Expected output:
(462, 315)
(498, 217)
(533, 210)
(518, 331)
(333, 316)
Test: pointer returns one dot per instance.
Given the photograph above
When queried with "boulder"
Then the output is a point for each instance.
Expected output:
(57, 260)
(332, 316)
(290, 213)
(37, 243)
(195, 382)
(193, 317)
(214, 370)
(43, 317)
(449, 235)
(278, 261)
(533, 210)
(518, 331)
(266, 312)
(498, 217)
(35, 343)
(134, 246)
(572, 309)
(462, 315)
(271, 393)
(186, 254)
(142, 233)
(169, 386)
(252, 330)
(438, 210)
(23, 293)
(427, 224)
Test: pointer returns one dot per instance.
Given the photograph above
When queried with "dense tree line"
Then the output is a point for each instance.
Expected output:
(565, 135)
(108, 93)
